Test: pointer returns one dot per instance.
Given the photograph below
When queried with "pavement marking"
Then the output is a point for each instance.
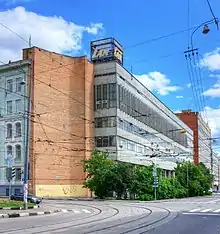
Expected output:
(76, 211)
(194, 210)
(86, 211)
(65, 211)
(206, 210)
(216, 211)
(204, 214)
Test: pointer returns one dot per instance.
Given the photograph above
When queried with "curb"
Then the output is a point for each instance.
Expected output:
(19, 208)
(17, 215)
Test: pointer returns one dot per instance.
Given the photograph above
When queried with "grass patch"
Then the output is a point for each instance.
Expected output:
(13, 204)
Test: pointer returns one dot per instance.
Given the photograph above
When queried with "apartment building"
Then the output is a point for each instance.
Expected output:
(62, 121)
(130, 122)
(13, 121)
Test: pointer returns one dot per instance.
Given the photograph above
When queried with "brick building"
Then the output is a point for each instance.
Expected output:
(62, 131)
(201, 136)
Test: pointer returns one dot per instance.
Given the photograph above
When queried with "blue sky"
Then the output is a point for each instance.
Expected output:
(160, 65)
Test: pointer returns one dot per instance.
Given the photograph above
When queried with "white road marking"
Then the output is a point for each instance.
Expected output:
(65, 211)
(76, 211)
(206, 210)
(86, 211)
(207, 214)
(216, 211)
(194, 210)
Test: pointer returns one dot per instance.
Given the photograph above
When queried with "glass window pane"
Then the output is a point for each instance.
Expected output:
(9, 131)
(9, 150)
(18, 129)
(9, 107)
(18, 106)
(112, 141)
(9, 85)
(105, 141)
(18, 152)
(98, 141)
(18, 174)
(18, 84)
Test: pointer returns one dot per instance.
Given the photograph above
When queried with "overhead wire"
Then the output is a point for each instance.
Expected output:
(67, 68)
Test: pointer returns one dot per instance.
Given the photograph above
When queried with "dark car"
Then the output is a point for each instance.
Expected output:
(31, 198)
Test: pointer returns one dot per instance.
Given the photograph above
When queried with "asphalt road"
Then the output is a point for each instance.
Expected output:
(190, 224)
(191, 215)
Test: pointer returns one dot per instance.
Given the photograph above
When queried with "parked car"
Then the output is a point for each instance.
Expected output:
(31, 198)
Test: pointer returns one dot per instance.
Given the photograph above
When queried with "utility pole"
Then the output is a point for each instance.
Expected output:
(27, 145)
(187, 179)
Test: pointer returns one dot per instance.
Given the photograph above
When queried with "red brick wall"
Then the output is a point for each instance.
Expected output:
(191, 120)
(62, 126)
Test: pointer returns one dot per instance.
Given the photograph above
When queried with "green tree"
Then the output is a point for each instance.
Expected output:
(142, 182)
(199, 178)
(124, 177)
(100, 174)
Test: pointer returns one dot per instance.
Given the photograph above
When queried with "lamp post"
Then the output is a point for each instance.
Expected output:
(205, 30)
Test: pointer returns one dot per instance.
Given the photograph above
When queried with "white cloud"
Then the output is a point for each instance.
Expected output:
(158, 82)
(177, 111)
(188, 85)
(213, 116)
(214, 91)
(49, 32)
(179, 97)
(211, 60)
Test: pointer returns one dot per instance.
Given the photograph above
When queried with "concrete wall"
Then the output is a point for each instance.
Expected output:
(62, 125)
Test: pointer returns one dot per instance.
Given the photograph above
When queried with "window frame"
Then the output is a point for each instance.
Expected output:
(16, 127)
(9, 136)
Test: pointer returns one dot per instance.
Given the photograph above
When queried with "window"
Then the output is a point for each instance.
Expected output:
(7, 192)
(9, 107)
(98, 141)
(18, 105)
(18, 130)
(105, 141)
(9, 150)
(112, 141)
(17, 152)
(10, 85)
(18, 174)
(18, 84)
(105, 122)
(17, 191)
(9, 130)
(112, 95)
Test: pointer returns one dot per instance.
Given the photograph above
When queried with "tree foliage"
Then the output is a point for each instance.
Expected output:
(105, 176)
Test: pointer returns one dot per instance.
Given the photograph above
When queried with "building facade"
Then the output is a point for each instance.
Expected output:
(215, 169)
(13, 121)
(131, 124)
(202, 136)
(61, 122)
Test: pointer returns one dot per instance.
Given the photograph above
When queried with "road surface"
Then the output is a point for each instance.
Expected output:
(191, 215)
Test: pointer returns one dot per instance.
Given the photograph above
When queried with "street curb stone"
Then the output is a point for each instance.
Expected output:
(16, 215)
(19, 208)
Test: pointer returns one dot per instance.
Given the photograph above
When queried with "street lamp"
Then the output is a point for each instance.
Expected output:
(205, 30)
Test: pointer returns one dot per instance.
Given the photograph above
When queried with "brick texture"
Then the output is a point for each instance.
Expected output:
(62, 127)
(191, 120)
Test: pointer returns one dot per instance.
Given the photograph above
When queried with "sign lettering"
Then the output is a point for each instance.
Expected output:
(106, 50)
(100, 53)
